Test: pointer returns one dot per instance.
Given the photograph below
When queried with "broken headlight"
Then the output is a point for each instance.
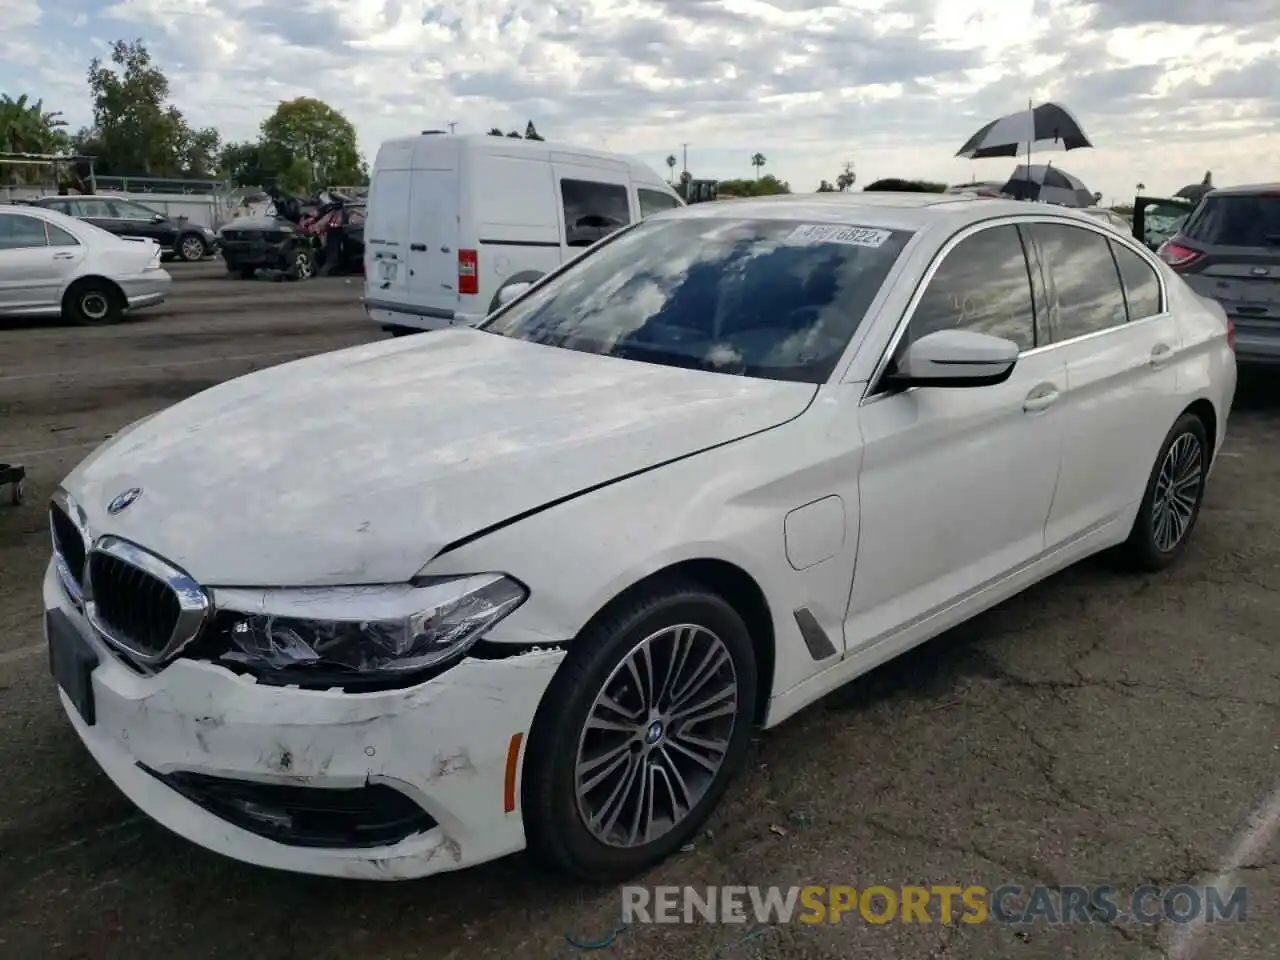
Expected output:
(394, 628)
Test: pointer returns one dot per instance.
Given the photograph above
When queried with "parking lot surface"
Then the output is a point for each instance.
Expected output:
(1100, 729)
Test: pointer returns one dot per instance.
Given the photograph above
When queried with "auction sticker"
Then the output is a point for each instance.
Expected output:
(834, 233)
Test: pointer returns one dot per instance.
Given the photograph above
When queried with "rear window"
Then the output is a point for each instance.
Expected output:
(770, 299)
(1236, 220)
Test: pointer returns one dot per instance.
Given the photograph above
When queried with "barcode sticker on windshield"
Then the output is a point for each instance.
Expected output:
(833, 233)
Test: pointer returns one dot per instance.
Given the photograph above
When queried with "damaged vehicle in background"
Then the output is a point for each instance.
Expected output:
(568, 560)
(303, 239)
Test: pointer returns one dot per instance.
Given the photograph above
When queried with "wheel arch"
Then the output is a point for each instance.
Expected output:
(522, 276)
(1204, 410)
(97, 278)
(737, 588)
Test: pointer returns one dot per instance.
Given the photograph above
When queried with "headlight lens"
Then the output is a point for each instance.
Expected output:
(396, 628)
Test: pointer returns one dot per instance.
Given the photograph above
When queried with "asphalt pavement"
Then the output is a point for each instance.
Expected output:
(1101, 729)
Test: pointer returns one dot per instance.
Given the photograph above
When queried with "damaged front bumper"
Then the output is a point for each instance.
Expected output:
(388, 785)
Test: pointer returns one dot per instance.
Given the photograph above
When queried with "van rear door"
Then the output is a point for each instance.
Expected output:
(433, 227)
(387, 228)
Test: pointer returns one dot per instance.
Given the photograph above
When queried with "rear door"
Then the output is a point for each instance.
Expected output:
(433, 226)
(386, 247)
(1229, 251)
(1110, 326)
(98, 211)
(33, 270)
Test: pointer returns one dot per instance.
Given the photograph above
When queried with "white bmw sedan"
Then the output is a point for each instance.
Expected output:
(52, 265)
(415, 605)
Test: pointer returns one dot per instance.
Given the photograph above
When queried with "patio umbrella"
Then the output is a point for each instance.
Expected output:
(1195, 191)
(1048, 184)
(1038, 127)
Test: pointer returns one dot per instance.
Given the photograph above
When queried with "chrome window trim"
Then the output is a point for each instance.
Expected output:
(194, 606)
(872, 392)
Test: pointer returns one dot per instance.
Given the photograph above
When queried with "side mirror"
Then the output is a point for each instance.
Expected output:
(157, 218)
(511, 291)
(956, 358)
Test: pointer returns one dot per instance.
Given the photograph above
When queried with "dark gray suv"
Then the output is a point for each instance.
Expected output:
(1229, 250)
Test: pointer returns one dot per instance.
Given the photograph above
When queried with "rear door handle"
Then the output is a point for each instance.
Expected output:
(1041, 398)
(64, 256)
(1161, 354)
(420, 247)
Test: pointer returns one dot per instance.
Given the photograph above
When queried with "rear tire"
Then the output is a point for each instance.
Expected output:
(192, 248)
(1171, 503)
(577, 818)
(93, 303)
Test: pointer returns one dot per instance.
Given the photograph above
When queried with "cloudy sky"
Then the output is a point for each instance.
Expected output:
(1165, 88)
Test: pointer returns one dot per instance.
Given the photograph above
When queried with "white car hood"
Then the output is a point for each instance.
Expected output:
(358, 466)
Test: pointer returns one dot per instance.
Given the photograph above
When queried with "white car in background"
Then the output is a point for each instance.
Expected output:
(53, 265)
(414, 605)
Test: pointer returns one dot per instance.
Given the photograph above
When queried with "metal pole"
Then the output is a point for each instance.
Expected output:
(452, 124)
(685, 167)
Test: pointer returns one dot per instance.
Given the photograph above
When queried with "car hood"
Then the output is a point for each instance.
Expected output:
(260, 223)
(358, 466)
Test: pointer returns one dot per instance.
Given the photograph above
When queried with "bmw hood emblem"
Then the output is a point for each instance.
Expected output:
(124, 500)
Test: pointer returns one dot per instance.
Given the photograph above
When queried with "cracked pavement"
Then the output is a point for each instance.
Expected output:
(1099, 729)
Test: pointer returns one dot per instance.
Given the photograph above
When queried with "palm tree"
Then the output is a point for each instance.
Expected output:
(671, 165)
(27, 127)
(758, 161)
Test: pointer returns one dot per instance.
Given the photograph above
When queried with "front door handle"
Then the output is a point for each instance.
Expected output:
(420, 247)
(64, 256)
(1161, 354)
(1041, 398)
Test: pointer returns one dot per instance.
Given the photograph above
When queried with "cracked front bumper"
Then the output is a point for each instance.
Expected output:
(443, 744)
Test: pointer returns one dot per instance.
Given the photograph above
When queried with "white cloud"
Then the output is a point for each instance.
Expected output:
(1166, 88)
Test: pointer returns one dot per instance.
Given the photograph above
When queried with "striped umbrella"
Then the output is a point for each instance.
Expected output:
(1048, 125)
(1048, 184)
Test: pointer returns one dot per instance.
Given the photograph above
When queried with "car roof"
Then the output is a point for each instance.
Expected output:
(897, 211)
(1248, 189)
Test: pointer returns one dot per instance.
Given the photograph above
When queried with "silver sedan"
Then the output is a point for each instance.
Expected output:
(52, 265)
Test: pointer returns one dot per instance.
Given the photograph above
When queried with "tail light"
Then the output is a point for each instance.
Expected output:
(468, 271)
(1176, 255)
(1231, 333)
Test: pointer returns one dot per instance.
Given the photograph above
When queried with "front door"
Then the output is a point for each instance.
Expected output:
(957, 483)
(138, 221)
(1120, 348)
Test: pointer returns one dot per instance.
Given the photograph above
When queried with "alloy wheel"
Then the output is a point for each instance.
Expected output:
(95, 305)
(192, 248)
(302, 263)
(1177, 492)
(656, 736)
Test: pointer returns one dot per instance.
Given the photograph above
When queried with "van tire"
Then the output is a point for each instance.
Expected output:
(524, 276)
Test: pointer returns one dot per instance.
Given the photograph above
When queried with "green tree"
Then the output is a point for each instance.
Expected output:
(758, 161)
(312, 146)
(249, 164)
(136, 131)
(26, 127)
(826, 187)
(530, 133)
(846, 179)
(671, 166)
(515, 135)
(496, 132)
(764, 186)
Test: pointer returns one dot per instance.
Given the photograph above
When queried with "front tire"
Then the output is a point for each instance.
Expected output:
(93, 303)
(639, 734)
(302, 264)
(1171, 503)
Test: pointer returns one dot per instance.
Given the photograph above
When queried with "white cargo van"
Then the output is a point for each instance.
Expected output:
(453, 220)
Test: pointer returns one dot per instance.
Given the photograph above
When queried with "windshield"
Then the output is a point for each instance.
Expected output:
(1237, 220)
(770, 299)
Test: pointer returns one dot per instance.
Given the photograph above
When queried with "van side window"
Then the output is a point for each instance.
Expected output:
(651, 202)
(592, 210)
